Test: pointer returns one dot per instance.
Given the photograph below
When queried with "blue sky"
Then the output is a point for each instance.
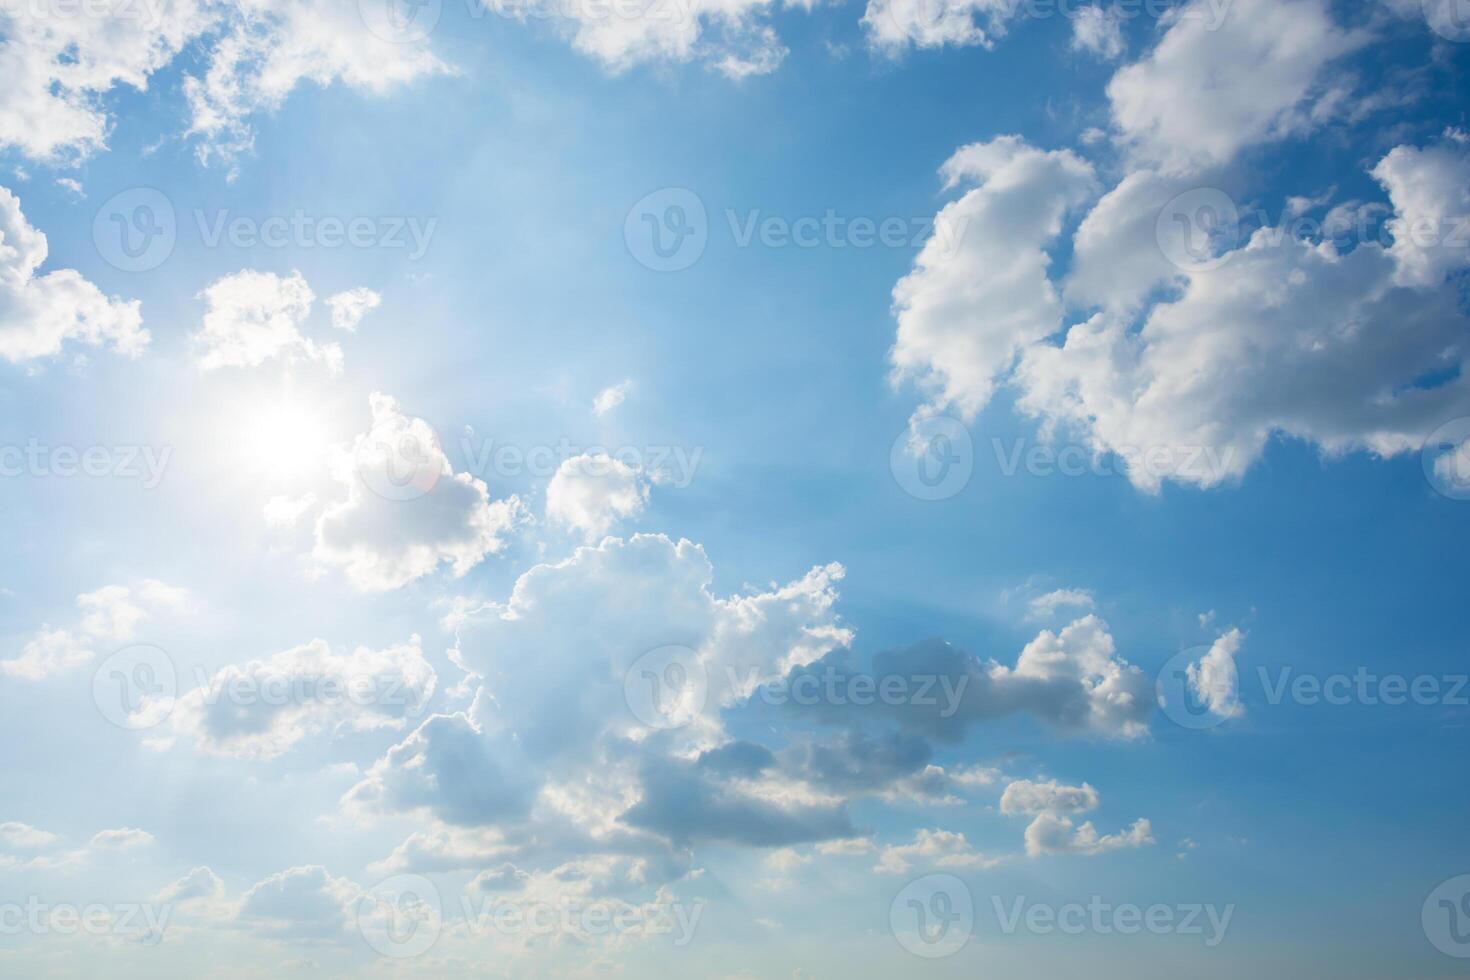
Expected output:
(338, 646)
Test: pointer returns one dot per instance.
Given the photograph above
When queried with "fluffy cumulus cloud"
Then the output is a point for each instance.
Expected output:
(57, 64)
(300, 903)
(980, 290)
(349, 308)
(405, 511)
(611, 397)
(594, 493)
(601, 683)
(1322, 340)
(931, 849)
(1212, 681)
(1098, 30)
(262, 708)
(1225, 76)
(41, 314)
(1052, 831)
(255, 317)
(25, 847)
(730, 36)
(893, 25)
(108, 618)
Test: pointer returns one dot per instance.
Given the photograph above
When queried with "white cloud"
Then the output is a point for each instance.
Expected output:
(56, 65)
(1223, 78)
(349, 308)
(1052, 834)
(1047, 605)
(263, 708)
(109, 618)
(254, 317)
(611, 397)
(593, 494)
(1213, 679)
(893, 25)
(300, 903)
(1098, 30)
(121, 839)
(931, 849)
(41, 314)
(979, 292)
(406, 511)
(1025, 796)
(1301, 338)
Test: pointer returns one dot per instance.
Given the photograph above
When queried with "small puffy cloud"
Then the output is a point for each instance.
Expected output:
(1027, 797)
(1213, 680)
(611, 397)
(254, 317)
(1044, 606)
(931, 849)
(1053, 804)
(41, 314)
(122, 839)
(18, 837)
(263, 708)
(199, 892)
(893, 25)
(349, 308)
(1053, 834)
(594, 493)
(109, 617)
(1098, 30)
(406, 511)
(1226, 76)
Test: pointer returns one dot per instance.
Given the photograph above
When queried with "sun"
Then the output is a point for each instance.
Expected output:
(284, 439)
